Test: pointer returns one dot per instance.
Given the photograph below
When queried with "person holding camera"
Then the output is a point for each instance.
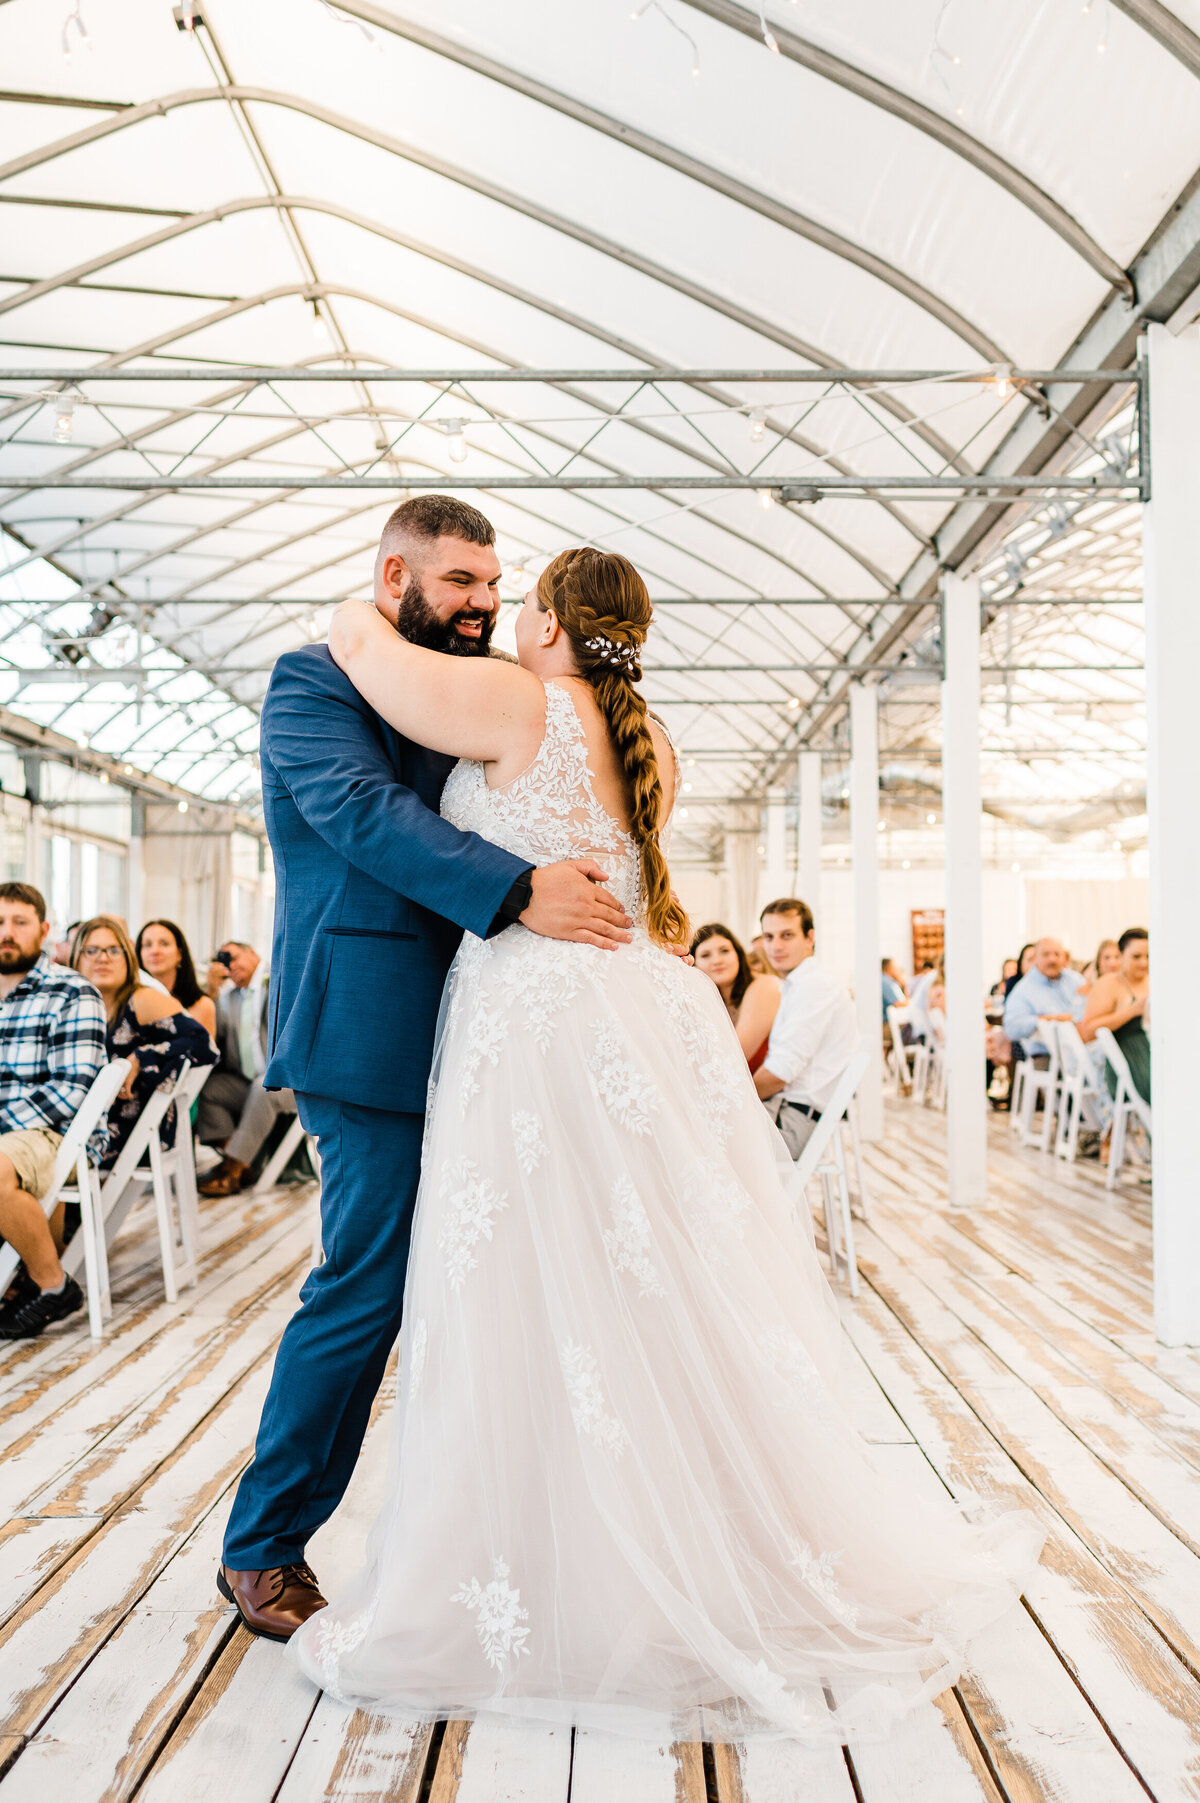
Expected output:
(235, 1112)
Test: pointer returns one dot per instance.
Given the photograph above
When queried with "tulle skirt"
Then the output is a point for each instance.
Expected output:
(625, 1491)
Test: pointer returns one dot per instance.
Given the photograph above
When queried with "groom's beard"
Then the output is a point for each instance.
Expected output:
(420, 624)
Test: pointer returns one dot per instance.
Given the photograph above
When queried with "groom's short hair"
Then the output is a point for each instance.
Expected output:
(436, 516)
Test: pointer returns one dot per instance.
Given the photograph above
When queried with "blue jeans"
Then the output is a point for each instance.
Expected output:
(333, 1351)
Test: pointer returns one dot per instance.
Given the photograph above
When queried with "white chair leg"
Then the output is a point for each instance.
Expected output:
(95, 1258)
(864, 1201)
(1116, 1145)
(280, 1156)
(189, 1207)
(1049, 1115)
(847, 1224)
(831, 1224)
(162, 1214)
(920, 1072)
(1016, 1100)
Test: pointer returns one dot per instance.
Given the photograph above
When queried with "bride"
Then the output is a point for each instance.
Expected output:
(625, 1491)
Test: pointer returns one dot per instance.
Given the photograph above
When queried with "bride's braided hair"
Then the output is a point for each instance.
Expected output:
(603, 607)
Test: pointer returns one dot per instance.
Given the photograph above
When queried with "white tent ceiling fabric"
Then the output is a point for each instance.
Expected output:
(907, 184)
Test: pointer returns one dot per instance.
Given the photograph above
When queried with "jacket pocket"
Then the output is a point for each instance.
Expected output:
(366, 933)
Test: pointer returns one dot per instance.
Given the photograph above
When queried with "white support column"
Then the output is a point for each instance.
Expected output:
(864, 842)
(775, 877)
(808, 845)
(1171, 540)
(135, 885)
(962, 807)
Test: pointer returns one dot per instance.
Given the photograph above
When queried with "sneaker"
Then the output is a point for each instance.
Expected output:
(19, 1290)
(26, 1319)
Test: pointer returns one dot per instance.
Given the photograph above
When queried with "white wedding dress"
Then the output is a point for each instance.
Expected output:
(625, 1491)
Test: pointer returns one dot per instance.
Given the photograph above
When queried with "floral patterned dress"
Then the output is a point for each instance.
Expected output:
(625, 1488)
(160, 1049)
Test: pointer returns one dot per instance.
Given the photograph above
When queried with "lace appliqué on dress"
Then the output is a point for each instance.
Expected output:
(417, 1348)
(628, 1093)
(335, 1640)
(528, 1141)
(469, 1204)
(585, 1394)
(817, 1573)
(628, 1240)
(717, 1204)
(718, 1070)
(497, 1609)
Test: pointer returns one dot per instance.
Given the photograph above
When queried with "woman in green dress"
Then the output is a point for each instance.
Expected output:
(1118, 1001)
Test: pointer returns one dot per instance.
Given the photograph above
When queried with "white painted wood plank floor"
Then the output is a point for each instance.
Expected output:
(1007, 1355)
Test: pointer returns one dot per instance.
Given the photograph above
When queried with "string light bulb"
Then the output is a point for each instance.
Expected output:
(456, 432)
(64, 419)
(765, 499)
(758, 424)
(1003, 380)
(319, 328)
(183, 807)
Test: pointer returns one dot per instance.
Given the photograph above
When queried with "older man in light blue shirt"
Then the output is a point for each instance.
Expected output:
(1049, 990)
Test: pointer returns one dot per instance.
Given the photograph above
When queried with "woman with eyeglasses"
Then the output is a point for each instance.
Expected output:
(149, 1028)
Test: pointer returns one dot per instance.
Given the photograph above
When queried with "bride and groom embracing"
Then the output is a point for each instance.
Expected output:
(625, 1491)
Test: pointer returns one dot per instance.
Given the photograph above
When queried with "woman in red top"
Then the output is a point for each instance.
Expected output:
(753, 1002)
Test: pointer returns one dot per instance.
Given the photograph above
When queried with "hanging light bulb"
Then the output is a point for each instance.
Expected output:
(765, 498)
(319, 328)
(1003, 380)
(128, 769)
(64, 419)
(183, 807)
(456, 432)
(758, 424)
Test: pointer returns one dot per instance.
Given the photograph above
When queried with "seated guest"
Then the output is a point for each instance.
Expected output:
(235, 1111)
(51, 1049)
(815, 1034)
(753, 1002)
(1010, 968)
(1023, 961)
(1106, 963)
(1049, 990)
(163, 953)
(756, 958)
(1118, 1001)
(145, 1025)
(894, 994)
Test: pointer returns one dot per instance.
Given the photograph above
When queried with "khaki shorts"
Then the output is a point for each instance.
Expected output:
(31, 1152)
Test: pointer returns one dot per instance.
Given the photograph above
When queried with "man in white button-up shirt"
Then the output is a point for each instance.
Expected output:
(816, 1030)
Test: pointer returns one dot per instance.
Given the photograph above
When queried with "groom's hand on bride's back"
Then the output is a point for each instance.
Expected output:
(570, 902)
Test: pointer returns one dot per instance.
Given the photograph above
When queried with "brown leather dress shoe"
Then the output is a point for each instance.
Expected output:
(274, 1603)
(229, 1176)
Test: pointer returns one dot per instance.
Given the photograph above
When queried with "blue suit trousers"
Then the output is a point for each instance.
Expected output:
(333, 1351)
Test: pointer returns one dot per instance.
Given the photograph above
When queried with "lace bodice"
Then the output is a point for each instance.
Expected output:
(550, 810)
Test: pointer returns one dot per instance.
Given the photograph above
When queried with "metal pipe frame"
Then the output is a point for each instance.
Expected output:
(232, 372)
(788, 488)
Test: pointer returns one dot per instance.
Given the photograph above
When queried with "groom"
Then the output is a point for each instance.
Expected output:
(373, 892)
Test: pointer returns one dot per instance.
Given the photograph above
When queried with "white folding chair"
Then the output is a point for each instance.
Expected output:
(937, 1058)
(1041, 1084)
(908, 1063)
(170, 1174)
(277, 1162)
(824, 1156)
(1078, 1091)
(1127, 1102)
(72, 1159)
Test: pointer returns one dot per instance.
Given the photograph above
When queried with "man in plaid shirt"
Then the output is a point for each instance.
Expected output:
(52, 1045)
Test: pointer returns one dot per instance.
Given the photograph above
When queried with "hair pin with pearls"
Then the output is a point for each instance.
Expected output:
(612, 653)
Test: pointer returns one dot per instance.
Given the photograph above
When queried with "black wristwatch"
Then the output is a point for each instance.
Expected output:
(515, 902)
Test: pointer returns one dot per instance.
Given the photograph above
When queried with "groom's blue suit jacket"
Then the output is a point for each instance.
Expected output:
(373, 890)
